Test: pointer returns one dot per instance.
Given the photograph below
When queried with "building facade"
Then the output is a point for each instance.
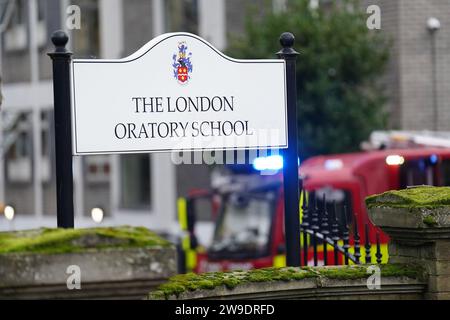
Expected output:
(130, 189)
(417, 78)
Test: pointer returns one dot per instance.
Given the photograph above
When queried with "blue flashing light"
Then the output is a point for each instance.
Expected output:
(433, 159)
(273, 162)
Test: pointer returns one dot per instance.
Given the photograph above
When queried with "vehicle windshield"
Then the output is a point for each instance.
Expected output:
(244, 225)
(336, 199)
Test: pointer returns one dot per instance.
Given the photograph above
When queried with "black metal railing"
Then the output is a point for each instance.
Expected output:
(331, 234)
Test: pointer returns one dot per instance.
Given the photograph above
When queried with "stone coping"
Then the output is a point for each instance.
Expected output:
(417, 208)
(286, 282)
(107, 265)
(412, 197)
(43, 259)
(62, 241)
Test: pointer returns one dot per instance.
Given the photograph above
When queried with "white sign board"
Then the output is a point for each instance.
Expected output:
(177, 93)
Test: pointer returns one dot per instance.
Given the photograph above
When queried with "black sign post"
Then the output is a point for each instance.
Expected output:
(63, 136)
(290, 168)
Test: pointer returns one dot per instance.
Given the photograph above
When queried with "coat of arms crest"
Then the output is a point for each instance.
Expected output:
(182, 65)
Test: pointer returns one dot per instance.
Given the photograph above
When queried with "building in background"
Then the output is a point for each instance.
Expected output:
(418, 76)
(131, 189)
(142, 189)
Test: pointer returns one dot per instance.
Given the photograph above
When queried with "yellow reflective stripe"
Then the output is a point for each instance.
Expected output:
(373, 252)
(300, 205)
(182, 213)
(186, 243)
(279, 261)
(351, 250)
(329, 246)
(302, 240)
(191, 259)
(191, 255)
(300, 208)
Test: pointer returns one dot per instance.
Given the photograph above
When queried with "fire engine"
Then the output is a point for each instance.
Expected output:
(247, 206)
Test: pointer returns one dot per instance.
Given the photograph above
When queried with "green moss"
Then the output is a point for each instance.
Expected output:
(56, 241)
(429, 221)
(360, 271)
(206, 284)
(274, 274)
(355, 272)
(231, 283)
(171, 289)
(428, 197)
(192, 282)
(413, 271)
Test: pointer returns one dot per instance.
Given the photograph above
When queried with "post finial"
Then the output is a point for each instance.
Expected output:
(287, 40)
(60, 40)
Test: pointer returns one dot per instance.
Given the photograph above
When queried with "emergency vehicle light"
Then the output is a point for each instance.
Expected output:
(434, 159)
(274, 162)
(395, 160)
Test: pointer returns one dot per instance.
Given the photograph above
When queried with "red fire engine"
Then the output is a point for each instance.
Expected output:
(248, 208)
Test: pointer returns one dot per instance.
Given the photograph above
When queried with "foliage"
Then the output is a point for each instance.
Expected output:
(340, 62)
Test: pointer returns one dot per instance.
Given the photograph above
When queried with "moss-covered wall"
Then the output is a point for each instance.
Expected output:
(120, 263)
(57, 241)
(189, 283)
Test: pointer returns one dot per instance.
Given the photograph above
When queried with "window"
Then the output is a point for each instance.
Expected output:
(135, 182)
(418, 172)
(5, 7)
(18, 147)
(181, 15)
(244, 226)
(16, 35)
(343, 200)
(97, 169)
(445, 172)
(42, 8)
(46, 123)
(16, 32)
(19, 15)
(86, 41)
(46, 144)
